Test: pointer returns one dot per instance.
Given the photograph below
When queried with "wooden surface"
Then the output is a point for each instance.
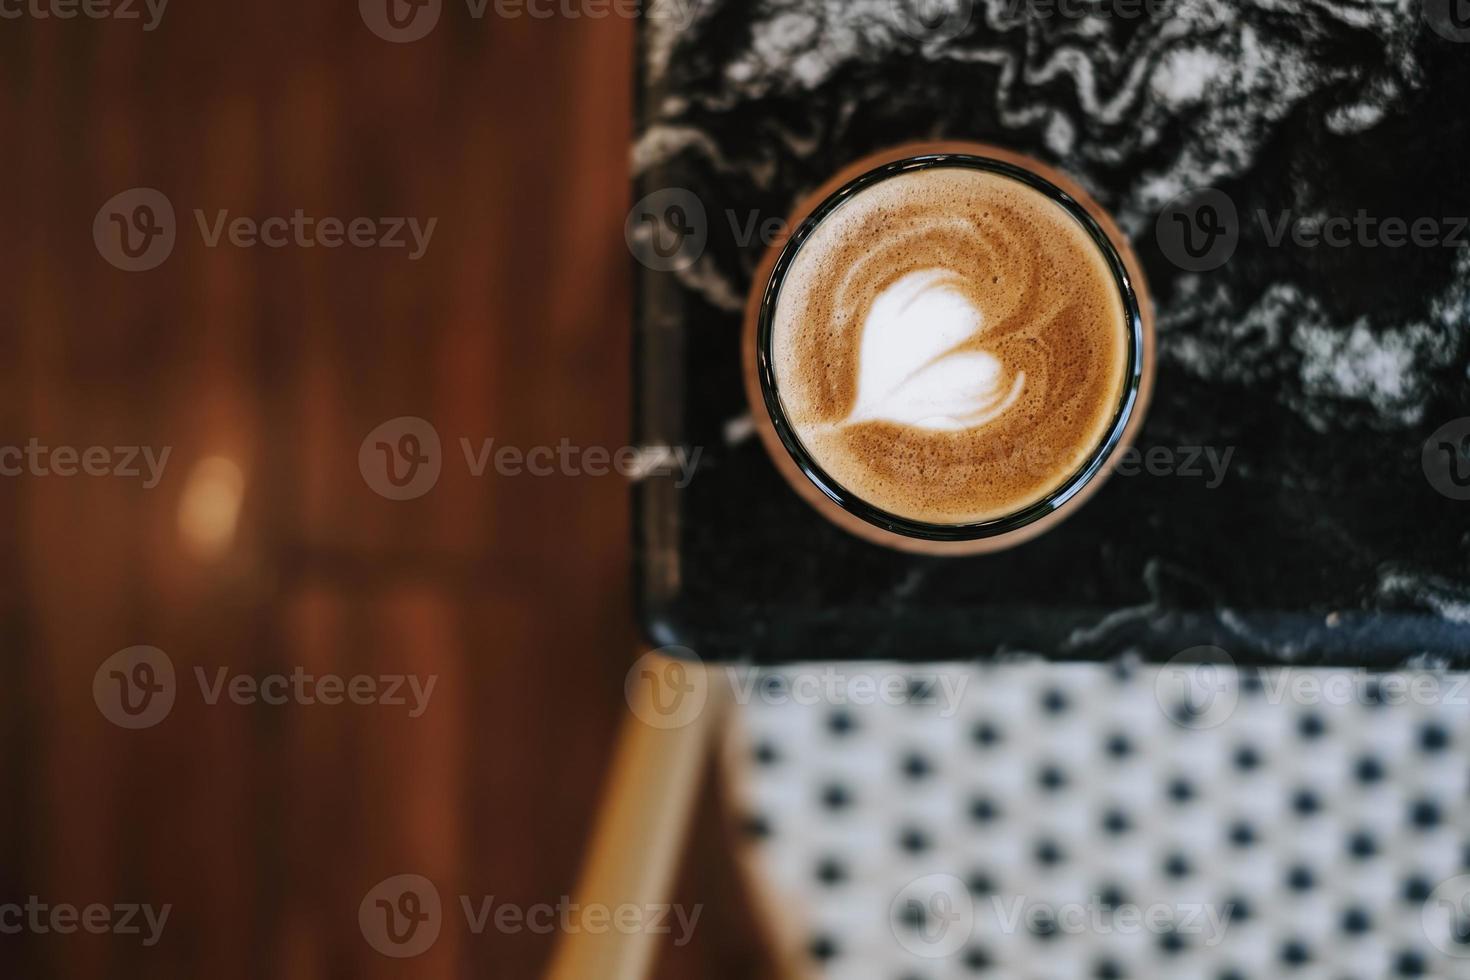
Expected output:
(263, 826)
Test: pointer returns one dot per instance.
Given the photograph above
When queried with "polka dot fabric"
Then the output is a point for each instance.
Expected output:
(1268, 835)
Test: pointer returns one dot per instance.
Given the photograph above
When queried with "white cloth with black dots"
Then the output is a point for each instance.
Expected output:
(1068, 821)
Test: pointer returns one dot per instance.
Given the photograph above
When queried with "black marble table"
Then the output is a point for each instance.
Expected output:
(1329, 363)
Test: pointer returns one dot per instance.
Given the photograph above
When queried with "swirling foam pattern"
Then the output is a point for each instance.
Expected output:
(950, 345)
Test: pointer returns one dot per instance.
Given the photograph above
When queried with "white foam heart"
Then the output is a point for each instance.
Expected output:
(909, 369)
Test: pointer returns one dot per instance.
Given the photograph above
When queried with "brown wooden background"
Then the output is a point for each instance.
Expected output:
(264, 826)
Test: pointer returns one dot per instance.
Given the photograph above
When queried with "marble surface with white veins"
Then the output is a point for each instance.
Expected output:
(1324, 376)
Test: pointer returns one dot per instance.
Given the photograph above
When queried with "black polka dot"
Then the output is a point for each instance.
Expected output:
(1172, 943)
(1181, 790)
(1247, 758)
(921, 691)
(841, 723)
(756, 827)
(1356, 921)
(831, 872)
(1042, 925)
(980, 884)
(1295, 953)
(913, 840)
(977, 960)
(835, 796)
(1242, 834)
(1240, 908)
(1232, 975)
(1369, 770)
(1306, 803)
(986, 735)
(1417, 890)
(1176, 865)
(1311, 726)
(912, 915)
(984, 810)
(1433, 737)
(823, 949)
(1116, 822)
(1373, 694)
(766, 754)
(1052, 778)
(1118, 746)
(1111, 896)
(916, 766)
(1108, 970)
(1251, 682)
(1301, 879)
(773, 686)
(1049, 853)
(1362, 846)
(1187, 714)
(1425, 814)
(1410, 963)
(1054, 701)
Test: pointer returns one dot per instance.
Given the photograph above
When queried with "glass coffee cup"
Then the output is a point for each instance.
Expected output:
(1002, 318)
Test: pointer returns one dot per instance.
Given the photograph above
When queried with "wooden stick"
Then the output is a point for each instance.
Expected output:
(665, 743)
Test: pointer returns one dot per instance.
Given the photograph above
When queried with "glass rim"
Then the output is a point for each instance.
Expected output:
(1068, 489)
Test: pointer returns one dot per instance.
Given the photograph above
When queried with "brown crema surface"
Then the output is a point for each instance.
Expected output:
(987, 292)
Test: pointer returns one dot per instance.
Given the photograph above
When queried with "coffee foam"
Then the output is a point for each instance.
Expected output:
(950, 345)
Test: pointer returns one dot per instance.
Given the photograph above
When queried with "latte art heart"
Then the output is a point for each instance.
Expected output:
(911, 370)
(949, 345)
